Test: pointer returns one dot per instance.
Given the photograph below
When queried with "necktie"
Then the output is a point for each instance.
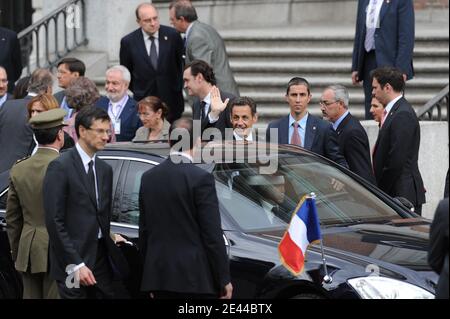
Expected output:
(383, 118)
(91, 178)
(153, 53)
(295, 139)
(203, 113)
(369, 43)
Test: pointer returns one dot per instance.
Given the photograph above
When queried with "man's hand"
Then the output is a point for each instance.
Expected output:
(217, 106)
(119, 239)
(355, 77)
(85, 276)
(227, 291)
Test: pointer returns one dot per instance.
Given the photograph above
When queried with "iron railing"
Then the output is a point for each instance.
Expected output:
(435, 109)
(52, 37)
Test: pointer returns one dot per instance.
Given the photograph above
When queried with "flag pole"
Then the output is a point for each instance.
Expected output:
(327, 279)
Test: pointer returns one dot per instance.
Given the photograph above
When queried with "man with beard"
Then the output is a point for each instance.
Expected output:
(121, 108)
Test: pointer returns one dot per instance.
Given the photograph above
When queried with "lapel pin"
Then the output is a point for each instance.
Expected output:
(388, 1)
(314, 127)
(165, 38)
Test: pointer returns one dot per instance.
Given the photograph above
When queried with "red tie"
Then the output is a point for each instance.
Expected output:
(295, 139)
(383, 118)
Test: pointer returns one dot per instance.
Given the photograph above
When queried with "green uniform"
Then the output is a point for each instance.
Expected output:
(25, 215)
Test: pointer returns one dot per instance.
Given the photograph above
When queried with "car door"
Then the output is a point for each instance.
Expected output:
(125, 215)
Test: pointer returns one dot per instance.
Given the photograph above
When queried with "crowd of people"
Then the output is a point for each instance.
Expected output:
(58, 209)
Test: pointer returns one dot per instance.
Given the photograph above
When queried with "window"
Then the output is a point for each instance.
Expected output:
(126, 200)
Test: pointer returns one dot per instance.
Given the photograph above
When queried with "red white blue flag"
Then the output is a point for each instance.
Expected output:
(303, 230)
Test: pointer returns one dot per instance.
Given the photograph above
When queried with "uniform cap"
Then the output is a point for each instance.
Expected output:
(48, 119)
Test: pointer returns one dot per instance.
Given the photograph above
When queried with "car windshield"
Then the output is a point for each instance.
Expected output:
(258, 201)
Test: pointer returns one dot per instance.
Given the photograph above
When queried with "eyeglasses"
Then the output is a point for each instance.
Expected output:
(100, 131)
(3, 81)
(327, 103)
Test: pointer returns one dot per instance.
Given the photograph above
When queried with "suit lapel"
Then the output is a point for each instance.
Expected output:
(126, 112)
(283, 131)
(310, 133)
(78, 163)
(384, 9)
(163, 47)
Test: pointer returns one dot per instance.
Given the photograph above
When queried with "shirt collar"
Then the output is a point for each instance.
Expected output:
(122, 102)
(146, 35)
(207, 99)
(339, 120)
(85, 158)
(301, 123)
(388, 107)
(3, 99)
(240, 138)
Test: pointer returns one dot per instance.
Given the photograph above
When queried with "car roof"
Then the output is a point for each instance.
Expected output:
(235, 150)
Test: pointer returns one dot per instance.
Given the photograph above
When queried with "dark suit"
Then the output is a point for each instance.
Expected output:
(73, 221)
(129, 118)
(181, 239)
(396, 154)
(394, 42)
(16, 136)
(354, 145)
(438, 251)
(10, 56)
(224, 120)
(320, 137)
(167, 81)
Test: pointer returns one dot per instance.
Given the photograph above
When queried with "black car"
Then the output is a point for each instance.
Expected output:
(373, 246)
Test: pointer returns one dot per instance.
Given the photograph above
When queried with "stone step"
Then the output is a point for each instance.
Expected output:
(327, 67)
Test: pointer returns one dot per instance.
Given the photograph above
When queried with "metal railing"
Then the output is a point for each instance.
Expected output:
(52, 37)
(435, 109)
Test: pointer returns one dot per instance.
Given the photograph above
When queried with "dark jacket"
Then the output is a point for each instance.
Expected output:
(396, 153)
(167, 81)
(180, 231)
(438, 252)
(320, 137)
(72, 217)
(10, 56)
(354, 145)
(129, 118)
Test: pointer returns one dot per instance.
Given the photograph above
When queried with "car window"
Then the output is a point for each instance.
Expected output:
(126, 210)
(340, 199)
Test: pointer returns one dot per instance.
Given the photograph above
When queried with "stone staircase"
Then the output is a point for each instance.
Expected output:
(263, 61)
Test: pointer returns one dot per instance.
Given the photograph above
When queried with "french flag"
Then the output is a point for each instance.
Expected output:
(303, 230)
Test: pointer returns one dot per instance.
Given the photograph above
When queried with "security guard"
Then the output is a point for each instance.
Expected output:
(25, 216)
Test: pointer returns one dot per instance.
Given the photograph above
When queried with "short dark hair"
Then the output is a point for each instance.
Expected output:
(181, 127)
(184, 8)
(200, 66)
(298, 81)
(241, 101)
(88, 115)
(74, 65)
(391, 75)
(46, 136)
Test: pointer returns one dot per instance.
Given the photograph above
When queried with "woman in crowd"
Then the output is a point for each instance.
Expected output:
(152, 112)
(41, 103)
(376, 109)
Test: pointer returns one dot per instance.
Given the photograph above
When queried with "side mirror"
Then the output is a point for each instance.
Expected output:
(405, 203)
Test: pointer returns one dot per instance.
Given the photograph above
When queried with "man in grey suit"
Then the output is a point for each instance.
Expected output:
(202, 42)
(16, 136)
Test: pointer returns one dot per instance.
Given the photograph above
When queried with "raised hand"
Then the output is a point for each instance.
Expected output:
(217, 106)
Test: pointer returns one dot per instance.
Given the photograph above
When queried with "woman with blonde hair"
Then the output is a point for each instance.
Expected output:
(41, 103)
(152, 112)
